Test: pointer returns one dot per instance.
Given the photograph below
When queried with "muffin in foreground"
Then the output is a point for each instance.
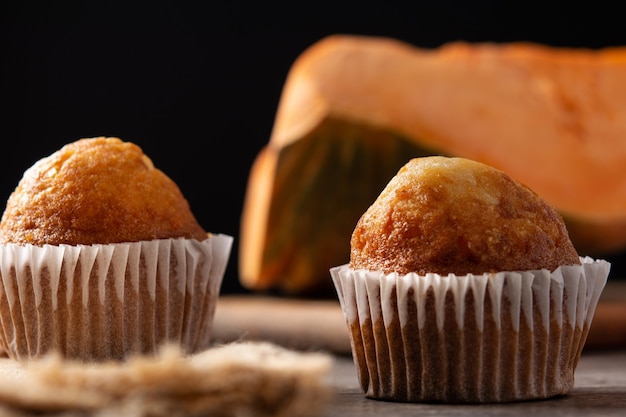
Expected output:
(101, 258)
(464, 287)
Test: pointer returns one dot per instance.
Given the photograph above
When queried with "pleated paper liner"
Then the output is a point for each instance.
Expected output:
(101, 302)
(508, 336)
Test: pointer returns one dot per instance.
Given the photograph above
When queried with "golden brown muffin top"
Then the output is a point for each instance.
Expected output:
(454, 215)
(97, 190)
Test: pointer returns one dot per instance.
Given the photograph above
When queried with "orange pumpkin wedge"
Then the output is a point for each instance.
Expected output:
(354, 109)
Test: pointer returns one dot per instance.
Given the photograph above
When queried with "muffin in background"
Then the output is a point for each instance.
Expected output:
(101, 258)
(464, 287)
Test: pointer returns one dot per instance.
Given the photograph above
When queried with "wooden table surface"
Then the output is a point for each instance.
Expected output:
(599, 389)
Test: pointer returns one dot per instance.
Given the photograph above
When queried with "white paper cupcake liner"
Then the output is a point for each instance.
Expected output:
(507, 336)
(100, 302)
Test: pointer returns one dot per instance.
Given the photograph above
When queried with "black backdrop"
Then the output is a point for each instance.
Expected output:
(196, 84)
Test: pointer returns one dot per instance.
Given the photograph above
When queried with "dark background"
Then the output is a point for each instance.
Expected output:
(197, 84)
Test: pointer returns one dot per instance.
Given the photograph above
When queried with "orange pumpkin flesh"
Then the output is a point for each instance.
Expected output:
(354, 109)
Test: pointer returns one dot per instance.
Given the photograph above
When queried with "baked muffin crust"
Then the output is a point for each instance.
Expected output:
(454, 215)
(96, 190)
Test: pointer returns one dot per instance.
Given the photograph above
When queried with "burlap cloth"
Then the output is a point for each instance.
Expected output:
(235, 379)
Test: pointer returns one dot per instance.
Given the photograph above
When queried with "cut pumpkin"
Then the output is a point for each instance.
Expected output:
(354, 109)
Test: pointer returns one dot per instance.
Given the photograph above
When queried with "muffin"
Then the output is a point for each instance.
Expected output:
(101, 258)
(464, 287)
